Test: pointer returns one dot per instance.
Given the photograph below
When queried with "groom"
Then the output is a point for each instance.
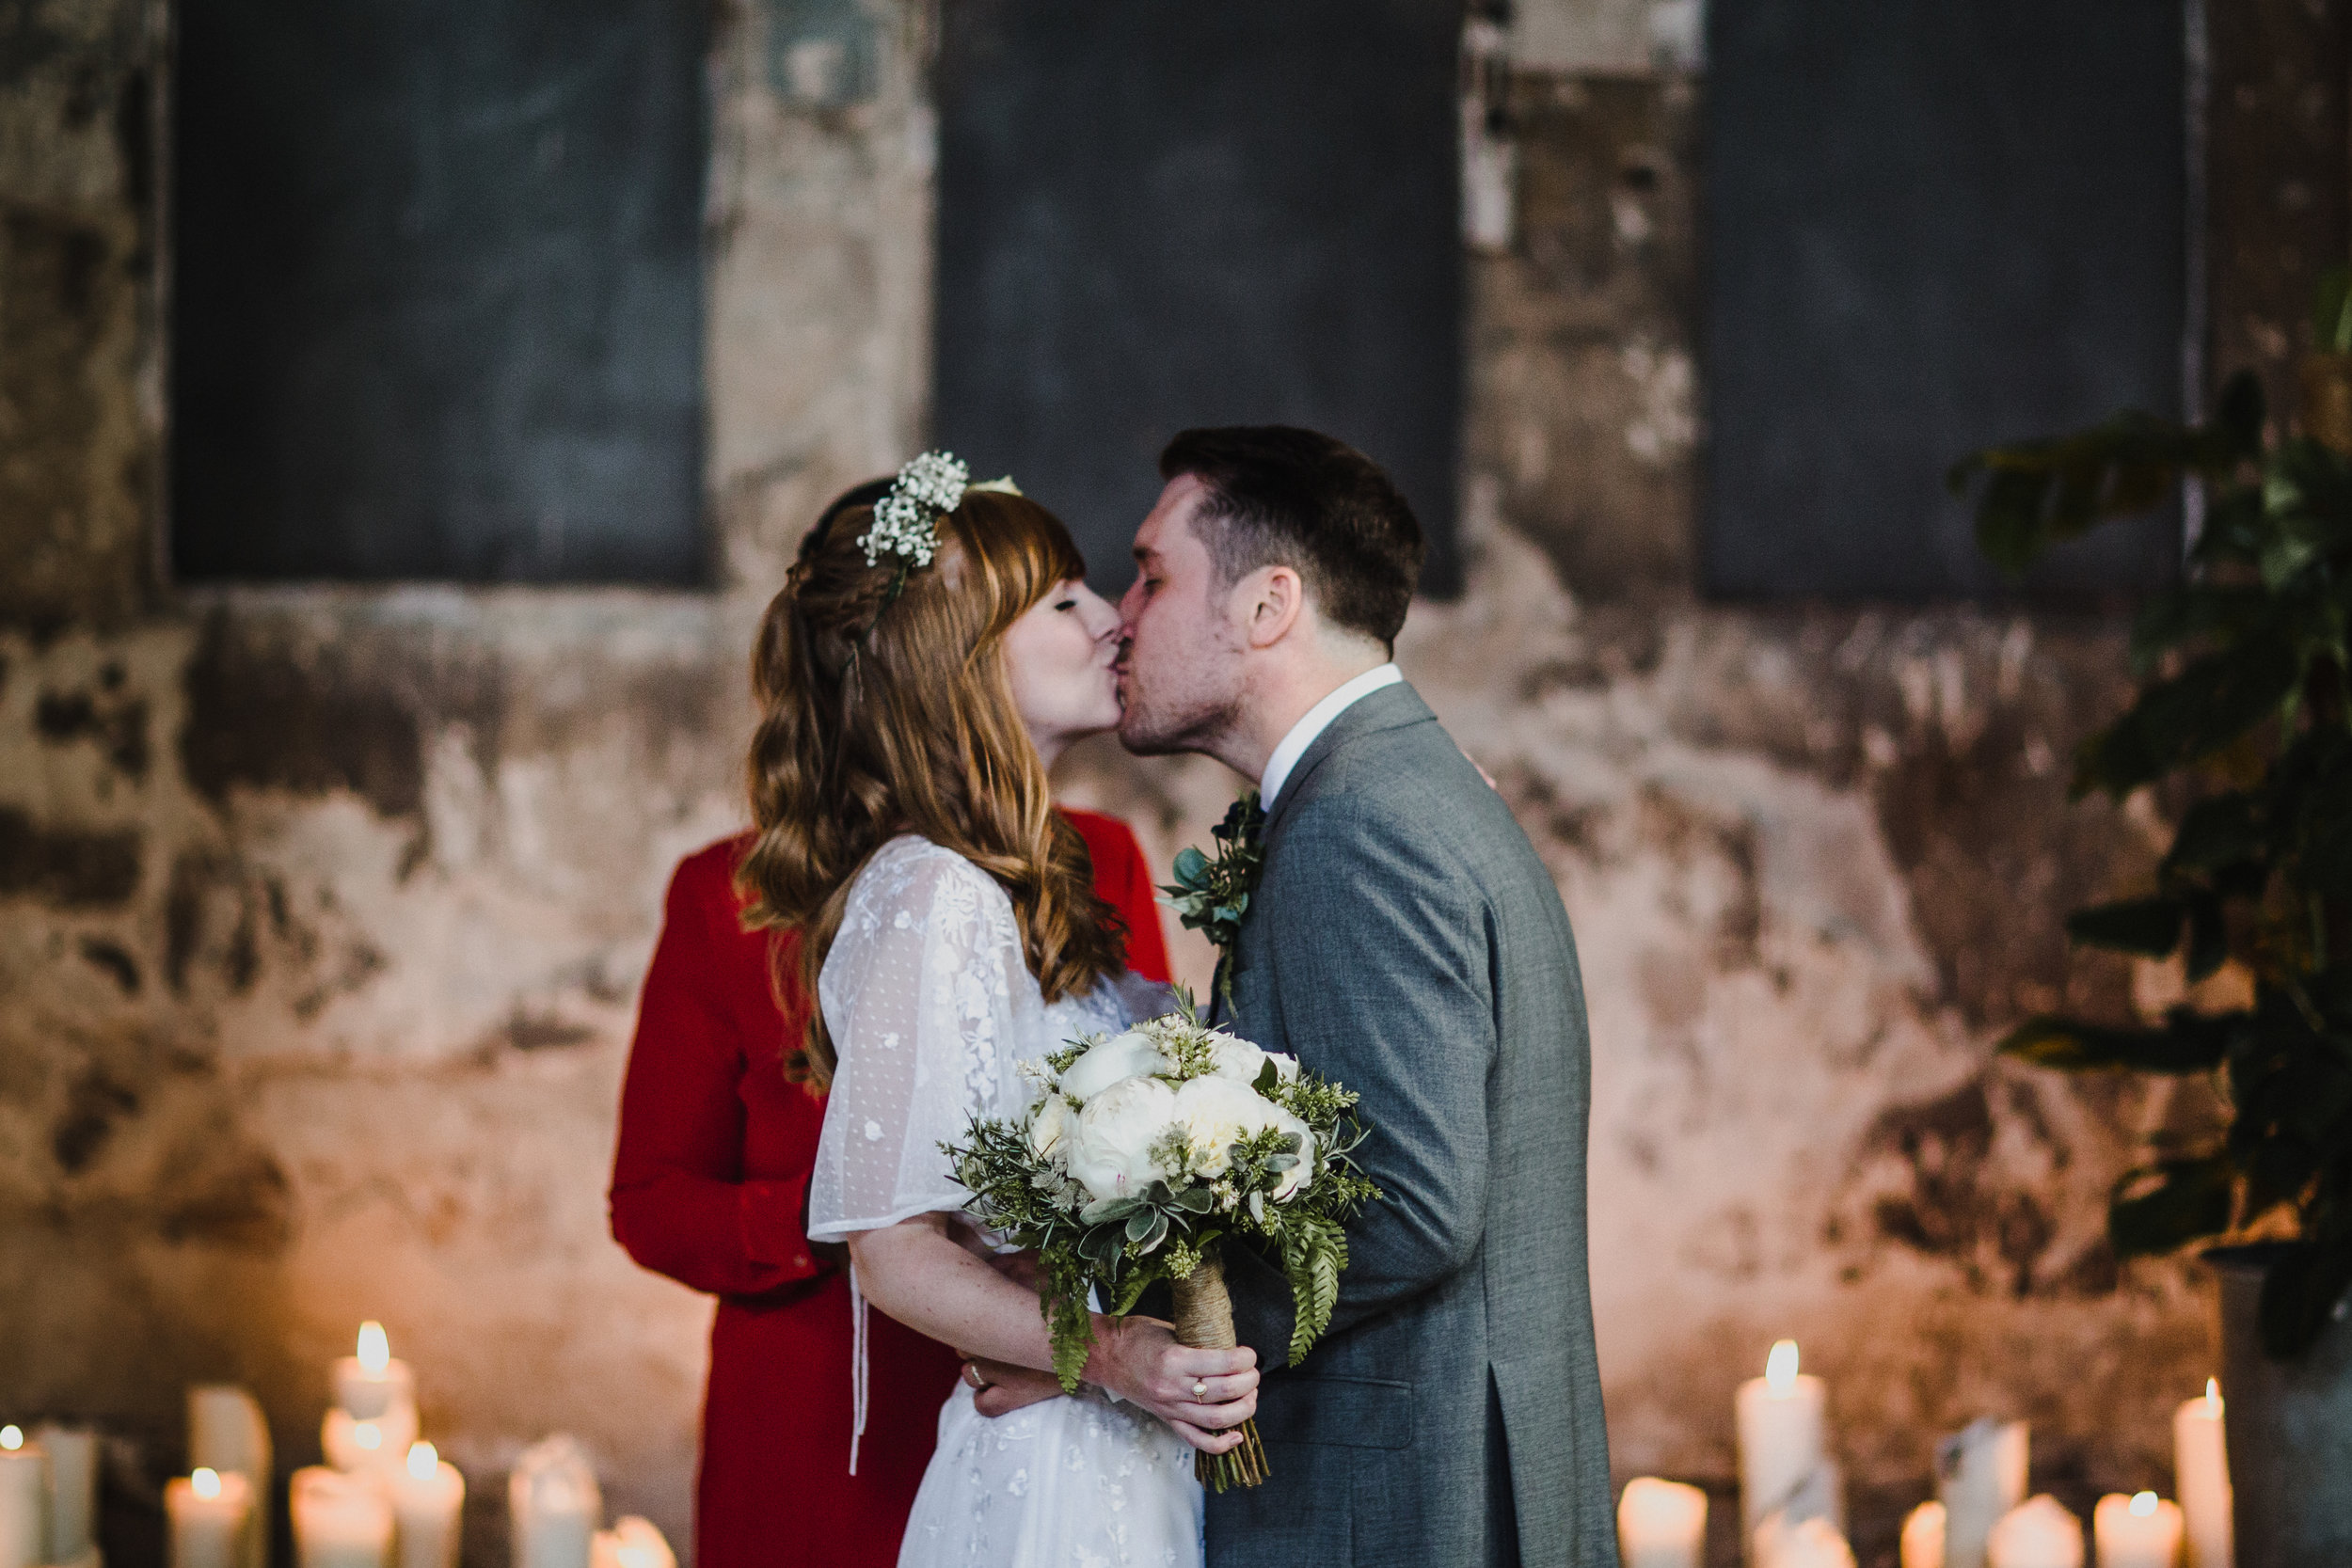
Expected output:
(1404, 940)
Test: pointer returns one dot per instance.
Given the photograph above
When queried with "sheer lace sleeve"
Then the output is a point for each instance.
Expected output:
(917, 995)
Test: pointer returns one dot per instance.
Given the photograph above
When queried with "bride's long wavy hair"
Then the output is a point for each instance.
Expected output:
(881, 717)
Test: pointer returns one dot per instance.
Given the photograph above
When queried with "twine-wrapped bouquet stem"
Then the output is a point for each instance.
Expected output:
(1205, 1320)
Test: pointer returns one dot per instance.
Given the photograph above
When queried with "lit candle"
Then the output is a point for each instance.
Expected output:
(339, 1521)
(1980, 1476)
(1661, 1524)
(227, 1434)
(370, 1384)
(73, 1490)
(553, 1505)
(632, 1542)
(1923, 1537)
(428, 1497)
(2138, 1532)
(2200, 1472)
(354, 1444)
(210, 1513)
(1809, 1543)
(24, 1501)
(2037, 1534)
(1782, 1422)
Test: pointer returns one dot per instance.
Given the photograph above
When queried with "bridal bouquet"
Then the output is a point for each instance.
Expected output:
(1145, 1151)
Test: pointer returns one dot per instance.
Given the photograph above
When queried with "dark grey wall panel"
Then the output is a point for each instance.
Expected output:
(437, 304)
(1930, 226)
(1156, 213)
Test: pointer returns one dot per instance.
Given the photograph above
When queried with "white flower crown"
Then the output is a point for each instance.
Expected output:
(906, 520)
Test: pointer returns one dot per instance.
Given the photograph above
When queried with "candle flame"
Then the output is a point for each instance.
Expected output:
(367, 1436)
(1780, 1368)
(205, 1483)
(375, 1351)
(424, 1460)
(2143, 1504)
(2212, 1398)
(11, 1437)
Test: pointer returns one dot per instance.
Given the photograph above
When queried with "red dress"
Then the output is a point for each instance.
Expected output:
(710, 1187)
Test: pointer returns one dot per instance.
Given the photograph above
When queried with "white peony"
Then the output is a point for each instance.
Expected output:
(1239, 1060)
(1128, 1055)
(1049, 1127)
(1111, 1154)
(1217, 1113)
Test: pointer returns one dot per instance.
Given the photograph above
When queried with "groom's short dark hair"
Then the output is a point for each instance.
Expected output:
(1281, 495)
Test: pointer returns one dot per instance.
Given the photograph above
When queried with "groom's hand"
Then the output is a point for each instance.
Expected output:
(999, 1388)
(1203, 1394)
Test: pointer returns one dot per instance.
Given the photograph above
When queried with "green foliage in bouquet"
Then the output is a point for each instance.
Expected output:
(1019, 1174)
(2242, 701)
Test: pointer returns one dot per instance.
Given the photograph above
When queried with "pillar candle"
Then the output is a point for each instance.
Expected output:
(72, 1489)
(553, 1505)
(2037, 1534)
(369, 1384)
(632, 1542)
(1980, 1476)
(1809, 1543)
(378, 1445)
(210, 1514)
(1783, 1426)
(2200, 1472)
(227, 1434)
(428, 1498)
(1923, 1537)
(2138, 1532)
(24, 1501)
(1661, 1524)
(339, 1521)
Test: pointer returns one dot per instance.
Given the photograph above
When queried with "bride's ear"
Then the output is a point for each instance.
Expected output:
(1274, 597)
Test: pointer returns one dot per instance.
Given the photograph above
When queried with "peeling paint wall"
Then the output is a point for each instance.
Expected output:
(322, 911)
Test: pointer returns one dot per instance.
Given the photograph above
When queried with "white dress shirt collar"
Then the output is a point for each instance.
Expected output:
(1318, 718)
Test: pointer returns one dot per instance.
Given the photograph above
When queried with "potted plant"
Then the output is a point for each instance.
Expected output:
(2241, 713)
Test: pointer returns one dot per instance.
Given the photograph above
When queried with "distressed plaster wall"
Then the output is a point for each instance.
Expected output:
(322, 911)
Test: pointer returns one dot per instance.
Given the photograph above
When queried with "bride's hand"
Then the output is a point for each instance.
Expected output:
(1204, 1395)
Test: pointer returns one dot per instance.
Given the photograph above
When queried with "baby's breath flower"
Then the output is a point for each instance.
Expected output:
(906, 521)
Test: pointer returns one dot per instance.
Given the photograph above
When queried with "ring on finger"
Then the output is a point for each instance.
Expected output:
(1200, 1387)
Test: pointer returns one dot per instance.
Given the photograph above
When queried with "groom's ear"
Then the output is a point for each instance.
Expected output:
(1273, 598)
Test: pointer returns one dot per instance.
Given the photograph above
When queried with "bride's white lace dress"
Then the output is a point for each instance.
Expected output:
(932, 1008)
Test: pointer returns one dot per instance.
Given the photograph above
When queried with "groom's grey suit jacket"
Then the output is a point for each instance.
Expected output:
(1406, 940)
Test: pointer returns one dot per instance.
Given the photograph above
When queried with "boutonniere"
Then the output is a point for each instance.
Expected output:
(1211, 893)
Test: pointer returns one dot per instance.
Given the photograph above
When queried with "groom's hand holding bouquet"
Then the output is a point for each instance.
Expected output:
(1146, 1150)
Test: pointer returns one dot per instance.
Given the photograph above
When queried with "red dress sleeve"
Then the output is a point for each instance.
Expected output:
(1124, 878)
(680, 1204)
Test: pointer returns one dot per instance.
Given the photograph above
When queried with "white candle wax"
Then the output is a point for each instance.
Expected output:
(1783, 1427)
(1809, 1543)
(372, 1382)
(228, 1434)
(632, 1542)
(24, 1501)
(1980, 1476)
(1923, 1537)
(72, 1489)
(553, 1505)
(377, 1445)
(2138, 1532)
(428, 1500)
(1661, 1524)
(339, 1521)
(2201, 1471)
(2037, 1534)
(210, 1513)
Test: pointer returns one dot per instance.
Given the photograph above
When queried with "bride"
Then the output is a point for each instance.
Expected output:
(922, 667)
